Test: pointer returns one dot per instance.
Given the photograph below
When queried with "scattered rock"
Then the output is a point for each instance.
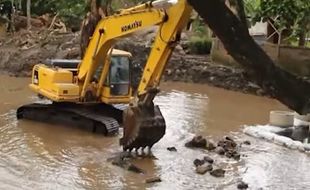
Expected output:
(122, 160)
(218, 173)
(247, 142)
(197, 142)
(227, 143)
(172, 149)
(211, 146)
(131, 167)
(208, 159)
(220, 150)
(198, 162)
(242, 185)
(236, 156)
(233, 154)
(204, 168)
(155, 179)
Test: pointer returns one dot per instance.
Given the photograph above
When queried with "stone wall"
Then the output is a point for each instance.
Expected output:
(293, 59)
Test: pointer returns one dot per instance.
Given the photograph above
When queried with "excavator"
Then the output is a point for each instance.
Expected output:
(92, 92)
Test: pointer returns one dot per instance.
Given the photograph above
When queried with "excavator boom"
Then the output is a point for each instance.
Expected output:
(143, 122)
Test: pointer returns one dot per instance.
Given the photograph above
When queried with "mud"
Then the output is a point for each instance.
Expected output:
(42, 156)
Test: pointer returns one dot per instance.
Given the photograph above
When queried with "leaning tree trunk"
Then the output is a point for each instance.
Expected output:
(91, 20)
(287, 88)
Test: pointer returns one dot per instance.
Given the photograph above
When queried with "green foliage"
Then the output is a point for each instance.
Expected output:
(291, 16)
(251, 7)
(200, 45)
(62, 7)
(199, 28)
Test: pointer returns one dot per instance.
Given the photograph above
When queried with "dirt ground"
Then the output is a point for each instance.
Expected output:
(20, 51)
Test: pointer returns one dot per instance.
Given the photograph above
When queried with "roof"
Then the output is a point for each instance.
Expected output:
(120, 52)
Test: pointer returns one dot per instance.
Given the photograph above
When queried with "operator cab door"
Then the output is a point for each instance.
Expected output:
(119, 77)
(117, 86)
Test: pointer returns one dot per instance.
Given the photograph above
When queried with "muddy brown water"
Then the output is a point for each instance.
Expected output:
(40, 156)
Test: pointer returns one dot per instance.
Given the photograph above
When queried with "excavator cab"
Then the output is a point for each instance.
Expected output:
(55, 80)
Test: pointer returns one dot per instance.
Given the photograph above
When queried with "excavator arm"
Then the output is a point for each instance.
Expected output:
(143, 122)
(106, 34)
(171, 22)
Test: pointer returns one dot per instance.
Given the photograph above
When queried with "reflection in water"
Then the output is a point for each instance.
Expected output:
(56, 157)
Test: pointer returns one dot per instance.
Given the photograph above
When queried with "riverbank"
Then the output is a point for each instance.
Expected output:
(19, 52)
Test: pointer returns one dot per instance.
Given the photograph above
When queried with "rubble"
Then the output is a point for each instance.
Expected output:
(220, 150)
(208, 159)
(172, 149)
(247, 142)
(197, 142)
(242, 185)
(210, 145)
(218, 173)
(202, 169)
(198, 162)
(122, 160)
(20, 51)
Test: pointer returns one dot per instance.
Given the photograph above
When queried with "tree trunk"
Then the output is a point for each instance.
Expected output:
(12, 18)
(28, 14)
(287, 88)
(19, 4)
(94, 15)
(241, 13)
(302, 39)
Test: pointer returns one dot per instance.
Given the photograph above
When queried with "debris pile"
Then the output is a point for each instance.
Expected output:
(20, 51)
(226, 146)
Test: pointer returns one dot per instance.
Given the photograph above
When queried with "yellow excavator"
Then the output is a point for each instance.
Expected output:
(91, 92)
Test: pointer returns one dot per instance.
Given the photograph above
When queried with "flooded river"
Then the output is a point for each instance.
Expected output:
(40, 156)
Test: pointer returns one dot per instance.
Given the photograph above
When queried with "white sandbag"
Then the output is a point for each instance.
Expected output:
(266, 135)
(280, 140)
(307, 147)
(252, 131)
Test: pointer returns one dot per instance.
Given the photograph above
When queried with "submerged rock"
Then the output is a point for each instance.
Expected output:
(220, 150)
(198, 162)
(218, 173)
(242, 185)
(204, 168)
(172, 149)
(122, 161)
(247, 142)
(133, 168)
(210, 146)
(233, 154)
(227, 144)
(197, 142)
(155, 179)
(208, 159)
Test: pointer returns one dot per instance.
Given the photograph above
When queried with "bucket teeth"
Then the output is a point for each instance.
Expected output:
(142, 129)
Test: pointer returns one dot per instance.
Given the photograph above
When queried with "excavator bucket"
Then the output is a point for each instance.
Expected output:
(143, 127)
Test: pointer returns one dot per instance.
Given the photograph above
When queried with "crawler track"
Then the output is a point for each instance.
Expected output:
(102, 118)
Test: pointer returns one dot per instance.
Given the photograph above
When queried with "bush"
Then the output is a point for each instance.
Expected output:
(199, 45)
